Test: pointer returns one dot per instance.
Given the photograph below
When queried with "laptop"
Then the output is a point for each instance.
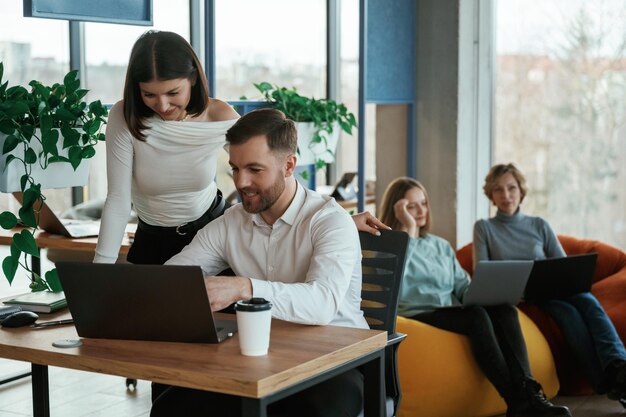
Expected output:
(167, 303)
(51, 223)
(498, 282)
(558, 278)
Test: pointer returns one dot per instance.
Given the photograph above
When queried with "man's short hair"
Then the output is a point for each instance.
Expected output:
(280, 132)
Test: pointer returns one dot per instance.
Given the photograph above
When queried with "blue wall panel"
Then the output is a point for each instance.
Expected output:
(391, 42)
(134, 12)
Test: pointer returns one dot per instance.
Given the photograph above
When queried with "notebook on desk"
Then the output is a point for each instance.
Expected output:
(557, 278)
(497, 282)
(51, 223)
(167, 303)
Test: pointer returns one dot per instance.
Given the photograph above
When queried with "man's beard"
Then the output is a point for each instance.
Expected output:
(268, 197)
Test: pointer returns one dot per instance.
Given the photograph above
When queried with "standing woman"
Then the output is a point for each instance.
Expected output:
(434, 278)
(510, 234)
(162, 144)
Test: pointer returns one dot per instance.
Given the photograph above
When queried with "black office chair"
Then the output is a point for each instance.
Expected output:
(383, 267)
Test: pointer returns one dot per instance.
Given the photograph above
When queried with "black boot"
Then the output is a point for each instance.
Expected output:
(616, 375)
(532, 402)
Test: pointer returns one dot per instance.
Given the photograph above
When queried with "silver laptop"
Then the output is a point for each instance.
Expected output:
(498, 282)
(51, 223)
(166, 303)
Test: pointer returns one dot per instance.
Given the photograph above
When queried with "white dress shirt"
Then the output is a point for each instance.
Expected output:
(307, 264)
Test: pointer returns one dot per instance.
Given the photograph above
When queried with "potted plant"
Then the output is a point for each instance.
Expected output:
(41, 129)
(318, 121)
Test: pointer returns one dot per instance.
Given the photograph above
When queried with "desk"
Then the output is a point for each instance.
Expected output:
(299, 356)
(49, 241)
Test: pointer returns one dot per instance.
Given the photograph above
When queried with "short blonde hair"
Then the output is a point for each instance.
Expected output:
(395, 191)
(499, 170)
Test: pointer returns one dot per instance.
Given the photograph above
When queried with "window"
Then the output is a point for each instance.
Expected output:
(33, 49)
(560, 114)
(279, 41)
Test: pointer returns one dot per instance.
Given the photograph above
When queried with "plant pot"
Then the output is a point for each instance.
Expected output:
(309, 153)
(56, 175)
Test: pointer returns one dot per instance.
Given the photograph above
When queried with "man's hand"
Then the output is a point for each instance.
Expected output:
(223, 291)
(367, 222)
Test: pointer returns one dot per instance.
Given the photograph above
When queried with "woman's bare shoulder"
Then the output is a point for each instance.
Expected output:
(220, 110)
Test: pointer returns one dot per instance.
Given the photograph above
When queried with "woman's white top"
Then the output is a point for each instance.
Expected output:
(170, 178)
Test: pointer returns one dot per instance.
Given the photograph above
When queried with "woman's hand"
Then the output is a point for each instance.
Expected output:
(400, 209)
(367, 222)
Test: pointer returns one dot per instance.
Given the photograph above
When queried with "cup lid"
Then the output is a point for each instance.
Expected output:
(253, 304)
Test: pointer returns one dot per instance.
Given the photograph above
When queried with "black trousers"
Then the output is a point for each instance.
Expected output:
(495, 338)
(341, 396)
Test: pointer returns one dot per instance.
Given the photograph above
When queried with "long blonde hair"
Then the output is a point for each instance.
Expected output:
(396, 191)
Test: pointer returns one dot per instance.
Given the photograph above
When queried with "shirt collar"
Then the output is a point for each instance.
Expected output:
(289, 216)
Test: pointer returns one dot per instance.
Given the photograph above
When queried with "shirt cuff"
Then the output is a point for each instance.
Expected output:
(260, 288)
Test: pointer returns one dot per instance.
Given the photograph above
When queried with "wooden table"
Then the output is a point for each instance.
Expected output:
(299, 356)
(50, 241)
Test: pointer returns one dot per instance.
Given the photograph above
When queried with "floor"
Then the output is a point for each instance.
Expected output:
(82, 394)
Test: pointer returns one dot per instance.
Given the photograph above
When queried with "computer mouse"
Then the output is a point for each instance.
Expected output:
(19, 319)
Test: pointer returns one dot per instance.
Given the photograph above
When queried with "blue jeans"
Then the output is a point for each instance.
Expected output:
(589, 333)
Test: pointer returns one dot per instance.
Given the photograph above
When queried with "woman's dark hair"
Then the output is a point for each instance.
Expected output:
(161, 56)
(281, 132)
(395, 191)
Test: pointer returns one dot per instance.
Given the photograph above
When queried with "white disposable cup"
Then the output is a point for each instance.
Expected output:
(254, 319)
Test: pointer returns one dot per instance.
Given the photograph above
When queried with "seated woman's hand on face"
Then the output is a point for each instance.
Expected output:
(400, 209)
(367, 222)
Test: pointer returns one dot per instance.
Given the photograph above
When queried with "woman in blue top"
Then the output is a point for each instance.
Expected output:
(433, 278)
(510, 234)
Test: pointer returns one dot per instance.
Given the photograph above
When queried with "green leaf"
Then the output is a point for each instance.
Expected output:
(25, 241)
(16, 108)
(27, 216)
(40, 89)
(65, 115)
(10, 159)
(88, 152)
(8, 220)
(10, 143)
(30, 157)
(49, 142)
(7, 127)
(52, 278)
(70, 136)
(23, 181)
(27, 131)
(31, 196)
(9, 267)
(75, 156)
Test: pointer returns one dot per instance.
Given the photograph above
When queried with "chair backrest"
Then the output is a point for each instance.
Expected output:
(382, 267)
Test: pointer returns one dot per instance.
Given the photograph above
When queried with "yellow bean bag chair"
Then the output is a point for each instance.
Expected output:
(439, 376)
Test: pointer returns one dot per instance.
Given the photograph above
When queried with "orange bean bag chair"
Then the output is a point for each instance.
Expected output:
(609, 287)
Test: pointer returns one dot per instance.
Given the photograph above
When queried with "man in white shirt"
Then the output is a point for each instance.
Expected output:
(296, 248)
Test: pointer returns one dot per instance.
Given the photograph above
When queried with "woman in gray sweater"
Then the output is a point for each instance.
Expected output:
(510, 234)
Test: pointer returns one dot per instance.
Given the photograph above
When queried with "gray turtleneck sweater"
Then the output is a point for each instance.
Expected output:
(518, 236)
